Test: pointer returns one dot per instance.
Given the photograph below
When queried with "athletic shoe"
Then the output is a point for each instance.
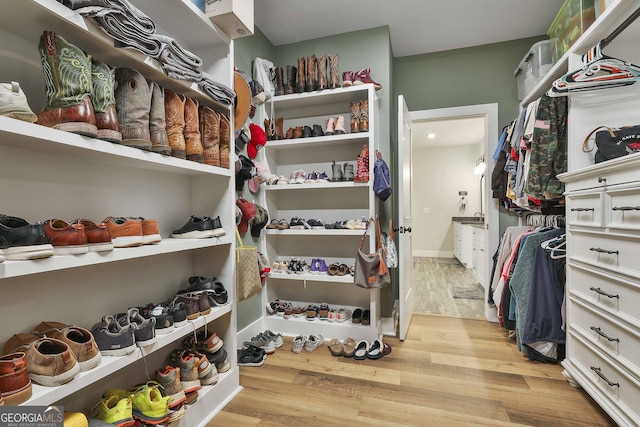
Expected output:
(20, 240)
(219, 360)
(188, 364)
(113, 339)
(169, 378)
(262, 342)
(196, 227)
(144, 330)
(149, 406)
(275, 337)
(298, 343)
(313, 341)
(50, 362)
(246, 357)
(114, 410)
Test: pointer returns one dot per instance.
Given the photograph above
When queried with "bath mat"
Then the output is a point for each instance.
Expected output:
(467, 293)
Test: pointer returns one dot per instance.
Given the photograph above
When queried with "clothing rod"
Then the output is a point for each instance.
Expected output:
(620, 28)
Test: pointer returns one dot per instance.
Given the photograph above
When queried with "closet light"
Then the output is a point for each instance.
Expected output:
(431, 135)
(479, 168)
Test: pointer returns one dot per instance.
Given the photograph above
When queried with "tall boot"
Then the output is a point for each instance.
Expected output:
(290, 87)
(158, 122)
(174, 115)
(311, 82)
(103, 101)
(268, 130)
(355, 117)
(279, 128)
(279, 82)
(67, 74)
(364, 116)
(133, 103)
(334, 72)
(225, 141)
(192, 142)
(300, 84)
(210, 134)
(322, 73)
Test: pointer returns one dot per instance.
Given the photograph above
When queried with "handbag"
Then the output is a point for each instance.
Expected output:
(389, 246)
(613, 142)
(381, 178)
(371, 269)
(248, 281)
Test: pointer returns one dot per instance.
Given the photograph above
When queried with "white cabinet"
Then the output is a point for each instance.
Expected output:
(463, 243)
(328, 202)
(46, 173)
(479, 249)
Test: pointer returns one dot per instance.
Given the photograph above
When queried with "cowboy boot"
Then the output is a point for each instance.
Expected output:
(311, 82)
(322, 73)
(104, 102)
(210, 134)
(334, 73)
(300, 84)
(192, 142)
(268, 130)
(290, 87)
(364, 116)
(174, 115)
(279, 82)
(279, 128)
(157, 121)
(133, 102)
(67, 73)
(355, 117)
(225, 141)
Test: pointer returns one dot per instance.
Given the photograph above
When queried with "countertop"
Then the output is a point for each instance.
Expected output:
(473, 220)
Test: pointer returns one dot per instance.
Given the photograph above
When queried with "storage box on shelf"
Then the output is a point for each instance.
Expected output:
(570, 23)
(48, 173)
(329, 202)
(535, 64)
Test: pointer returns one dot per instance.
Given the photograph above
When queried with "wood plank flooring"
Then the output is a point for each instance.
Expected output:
(448, 372)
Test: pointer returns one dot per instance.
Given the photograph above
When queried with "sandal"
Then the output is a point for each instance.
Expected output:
(335, 347)
(348, 347)
(283, 224)
(273, 224)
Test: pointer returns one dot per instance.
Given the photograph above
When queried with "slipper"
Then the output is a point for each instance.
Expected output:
(273, 224)
(348, 347)
(375, 351)
(386, 349)
(283, 224)
(361, 350)
(357, 316)
(335, 347)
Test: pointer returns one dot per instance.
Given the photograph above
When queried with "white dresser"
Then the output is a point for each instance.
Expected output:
(603, 285)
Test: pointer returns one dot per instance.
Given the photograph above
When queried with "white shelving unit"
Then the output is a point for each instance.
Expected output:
(329, 202)
(46, 173)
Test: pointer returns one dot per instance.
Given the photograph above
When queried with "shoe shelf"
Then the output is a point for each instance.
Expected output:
(327, 102)
(110, 365)
(33, 137)
(10, 269)
(308, 187)
(319, 142)
(348, 279)
(29, 18)
(325, 232)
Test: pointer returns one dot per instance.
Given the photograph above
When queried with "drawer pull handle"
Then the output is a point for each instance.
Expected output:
(598, 372)
(603, 335)
(582, 209)
(626, 208)
(604, 251)
(602, 179)
(601, 292)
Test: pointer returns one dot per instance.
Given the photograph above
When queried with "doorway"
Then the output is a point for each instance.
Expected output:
(449, 148)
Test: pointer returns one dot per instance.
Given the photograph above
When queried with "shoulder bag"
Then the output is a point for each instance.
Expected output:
(612, 143)
(371, 269)
(248, 281)
(388, 245)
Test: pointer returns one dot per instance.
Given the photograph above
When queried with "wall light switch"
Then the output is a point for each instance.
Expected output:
(425, 210)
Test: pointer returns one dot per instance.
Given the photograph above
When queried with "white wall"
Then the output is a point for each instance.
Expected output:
(439, 173)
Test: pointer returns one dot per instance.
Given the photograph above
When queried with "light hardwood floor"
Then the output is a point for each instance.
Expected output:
(448, 372)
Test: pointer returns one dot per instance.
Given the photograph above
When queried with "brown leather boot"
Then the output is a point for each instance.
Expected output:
(334, 72)
(210, 135)
(279, 82)
(290, 87)
(355, 117)
(174, 114)
(297, 131)
(279, 126)
(322, 73)
(191, 132)
(311, 82)
(268, 130)
(157, 121)
(225, 141)
(133, 102)
(103, 79)
(300, 84)
(364, 116)
(289, 134)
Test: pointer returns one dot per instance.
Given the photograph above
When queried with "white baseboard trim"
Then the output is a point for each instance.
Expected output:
(249, 331)
(433, 254)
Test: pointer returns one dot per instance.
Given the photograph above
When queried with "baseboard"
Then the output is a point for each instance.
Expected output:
(433, 254)
(250, 331)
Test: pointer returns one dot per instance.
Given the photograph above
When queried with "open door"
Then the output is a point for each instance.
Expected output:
(404, 222)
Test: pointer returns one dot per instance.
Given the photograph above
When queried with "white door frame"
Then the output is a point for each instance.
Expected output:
(490, 114)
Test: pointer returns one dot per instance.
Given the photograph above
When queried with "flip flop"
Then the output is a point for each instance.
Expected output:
(335, 347)
(348, 347)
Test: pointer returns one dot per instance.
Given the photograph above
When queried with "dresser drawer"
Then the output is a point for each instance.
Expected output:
(604, 375)
(616, 253)
(622, 343)
(585, 209)
(623, 208)
(615, 295)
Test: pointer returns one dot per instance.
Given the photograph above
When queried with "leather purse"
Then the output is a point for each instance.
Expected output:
(612, 143)
(370, 268)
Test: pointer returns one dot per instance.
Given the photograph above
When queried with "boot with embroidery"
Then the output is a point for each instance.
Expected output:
(355, 117)
(158, 122)
(322, 73)
(192, 141)
(133, 103)
(302, 75)
(174, 114)
(225, 141)
(210, 134)
(103, 79)
(334, 72)
(67, 72)
(364, 116)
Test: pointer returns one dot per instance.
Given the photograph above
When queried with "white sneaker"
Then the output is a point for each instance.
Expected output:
(313, 341)
(298, 343)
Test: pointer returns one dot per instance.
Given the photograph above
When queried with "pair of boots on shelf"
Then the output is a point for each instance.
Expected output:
(360, 116)
(311, 74)
(90, 98)
(304, 132)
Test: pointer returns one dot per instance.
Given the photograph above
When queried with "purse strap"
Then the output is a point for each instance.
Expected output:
(240, 245)
(366, 230)
(390, 229)
(585, 143)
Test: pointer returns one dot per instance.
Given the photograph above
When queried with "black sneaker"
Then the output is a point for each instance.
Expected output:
(20, 240)
(197, 227)
(219, 359)
(219, 294)
(162, 315)
(113, 339)
(218, 230)
(247, 357)
(144, 330)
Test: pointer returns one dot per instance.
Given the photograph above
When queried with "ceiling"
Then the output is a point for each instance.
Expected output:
(415, 26)
(454, 131)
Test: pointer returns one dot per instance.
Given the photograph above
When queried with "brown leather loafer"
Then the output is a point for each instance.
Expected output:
(15, 385)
